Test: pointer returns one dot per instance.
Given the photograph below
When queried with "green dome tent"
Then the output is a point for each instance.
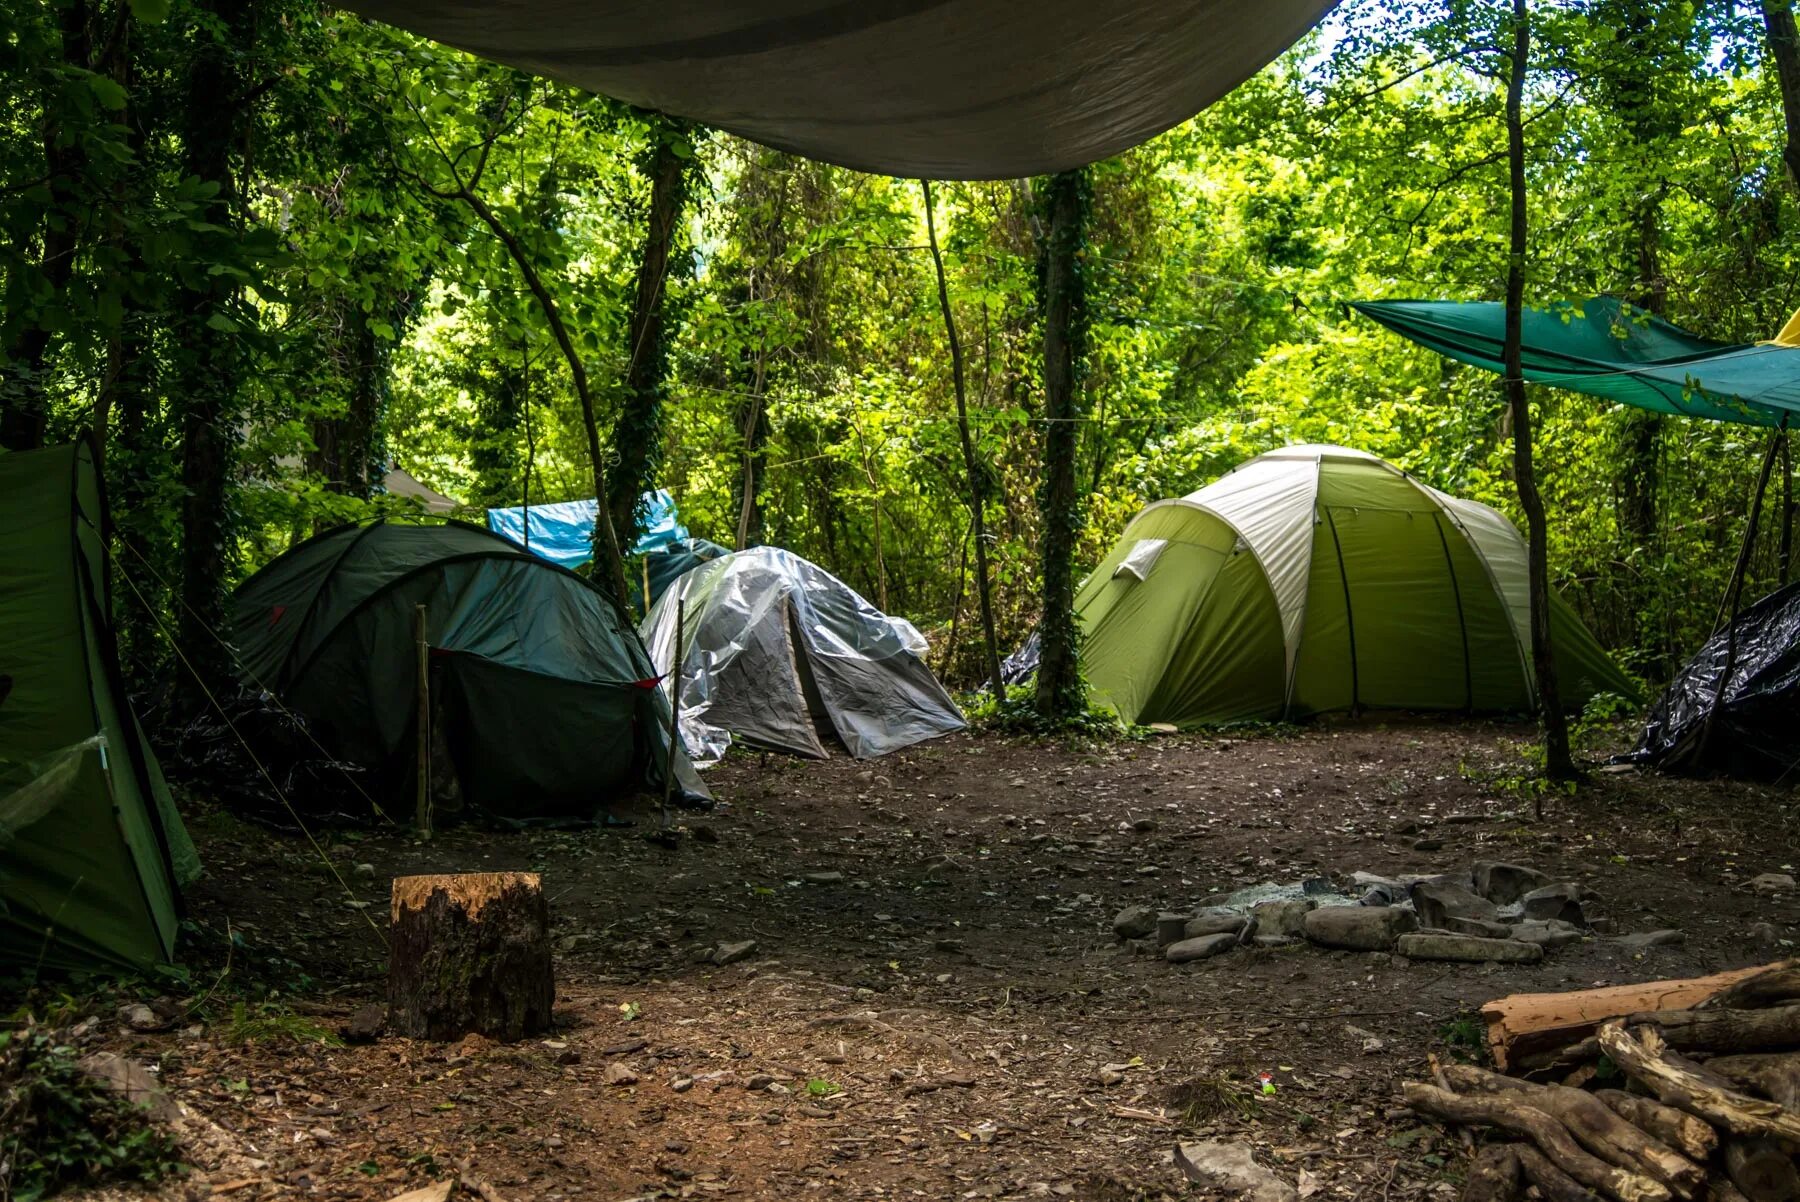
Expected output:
(543, 698)
(1316, 579)
(92, 852)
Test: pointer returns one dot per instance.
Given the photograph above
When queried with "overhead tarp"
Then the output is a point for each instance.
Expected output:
(1757, 731)
(1606, 348)
(563, 531)
(780, 653)
(944, 89)
(399, 482)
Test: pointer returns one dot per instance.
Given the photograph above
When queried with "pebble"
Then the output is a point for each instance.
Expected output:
(1644, 940)
(682, 1084)
(731, 953)
(823, 878)
(1772, 882)
(619, 1074)
(1202, 948)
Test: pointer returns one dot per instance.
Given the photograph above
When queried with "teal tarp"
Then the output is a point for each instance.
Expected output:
(1606, 348)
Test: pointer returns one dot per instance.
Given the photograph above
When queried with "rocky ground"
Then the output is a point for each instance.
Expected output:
(936, 1004)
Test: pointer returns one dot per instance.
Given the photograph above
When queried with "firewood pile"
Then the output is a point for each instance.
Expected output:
(1704, 1105)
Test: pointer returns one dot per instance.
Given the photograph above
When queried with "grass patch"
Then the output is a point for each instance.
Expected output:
(271, 1022)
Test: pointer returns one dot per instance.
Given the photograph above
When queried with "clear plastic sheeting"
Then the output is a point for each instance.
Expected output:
(945, 89)
(1141, 558)
(783, 655)
(1757, 731)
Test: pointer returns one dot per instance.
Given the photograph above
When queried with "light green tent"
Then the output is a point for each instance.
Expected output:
(1315, 579)
(92, 851)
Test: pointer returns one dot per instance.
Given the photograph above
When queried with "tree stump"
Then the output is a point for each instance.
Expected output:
(470, 952)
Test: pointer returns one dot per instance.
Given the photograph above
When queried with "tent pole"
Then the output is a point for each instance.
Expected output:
(1734, 590)
(1785, 556)
(674, 703)
(422, 803)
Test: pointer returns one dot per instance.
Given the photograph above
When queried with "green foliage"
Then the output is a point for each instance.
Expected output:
(60, 1128)
(271, 1022)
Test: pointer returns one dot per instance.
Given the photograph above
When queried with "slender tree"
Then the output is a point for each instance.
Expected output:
(976, 473)
(1558, 763)
(638, 435)
(1062, 289)
(1782, 38)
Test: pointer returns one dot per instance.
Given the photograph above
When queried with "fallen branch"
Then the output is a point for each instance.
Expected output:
(1551, 1137)
(1646, 1060)
(1554, 1184)
(1682, 1131)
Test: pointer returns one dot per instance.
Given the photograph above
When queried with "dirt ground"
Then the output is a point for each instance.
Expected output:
(935, 1023)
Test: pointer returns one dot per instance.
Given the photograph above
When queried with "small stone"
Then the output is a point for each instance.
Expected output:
(1407, 827)
(731, 953)
(140, 1017)
(1144, 826)
(703, 834)
(1230, 1169)
(1764, 934)
(1478, 927)
(948, 945)
(1134, 922)
(1216, 922)
(366, 1023)
(1548, 935)
(133, 1081)
(1467, 949)
(366, 871)
(1436, 903)
(823, 878)
(1772, 882)
(1504, 884)
(619, 1073)
(1286, 917)
(1109, 1076)
(1429, 845)
(1373, 1046)
(759, 1081)
(1170, 928)
(553, 1142)
(1564, 900)
(682, 1084)
(1644, 940)
(1202, 948)
(1358, 928)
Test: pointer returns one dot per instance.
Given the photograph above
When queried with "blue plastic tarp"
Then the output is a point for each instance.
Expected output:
(563, 531)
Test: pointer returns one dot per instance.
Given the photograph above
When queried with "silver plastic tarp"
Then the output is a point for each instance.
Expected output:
(947, 89)
(784, 655)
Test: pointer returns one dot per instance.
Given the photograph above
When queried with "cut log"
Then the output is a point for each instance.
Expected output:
(1646, 1060)
(470, 953)
(1527, 1023)
(1551, 1137)
(1776, 985)
(1595, 1126)
(1554, 1184)
(1494, 1175)
(1690, 1030)
(1720, 1189)
(1775, 1077)
(1761, 1170)
(1682, 1131)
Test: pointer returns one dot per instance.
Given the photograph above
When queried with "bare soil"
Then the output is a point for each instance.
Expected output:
(934, 1024)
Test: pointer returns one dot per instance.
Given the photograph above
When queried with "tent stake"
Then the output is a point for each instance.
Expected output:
(1733, 591)
(674, 703)
(422, 804)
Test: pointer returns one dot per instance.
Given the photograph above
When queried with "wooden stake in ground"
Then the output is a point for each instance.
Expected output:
(470, 953)
(674, 698)
(422, 803)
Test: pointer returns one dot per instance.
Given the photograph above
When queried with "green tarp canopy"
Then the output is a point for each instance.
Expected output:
(946, 89)
(1606, 348)
(1318, 579)
(544, 702)
(92, 852)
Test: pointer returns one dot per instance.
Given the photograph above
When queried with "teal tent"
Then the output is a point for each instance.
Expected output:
(92, 852)
(1606, 348)
(544, 702)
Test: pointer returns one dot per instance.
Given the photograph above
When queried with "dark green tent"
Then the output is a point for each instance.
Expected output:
(92, 852)
(543, 698)
(1603, 347)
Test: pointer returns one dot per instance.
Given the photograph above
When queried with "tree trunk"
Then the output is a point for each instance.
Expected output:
(977, 477)
(1059, 687)
(1558, 762)
(470, 952)
(638, 434)
(24, 416)
(1784, 46)
(210, 367)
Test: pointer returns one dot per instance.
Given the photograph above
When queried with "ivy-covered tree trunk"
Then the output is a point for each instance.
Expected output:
(210, 364)
(347, 453)
(1783, 39)
(24, 416)
(638, 434)
(1558, 763)
(1063, 299)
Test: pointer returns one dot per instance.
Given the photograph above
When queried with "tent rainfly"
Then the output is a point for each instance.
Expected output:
(543, 700)
(92, 851)
(1315, 579)
(944, 89)
(398, 482)
(778, 652)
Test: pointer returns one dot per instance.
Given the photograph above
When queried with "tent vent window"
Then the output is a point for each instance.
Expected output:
(1141, 559)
